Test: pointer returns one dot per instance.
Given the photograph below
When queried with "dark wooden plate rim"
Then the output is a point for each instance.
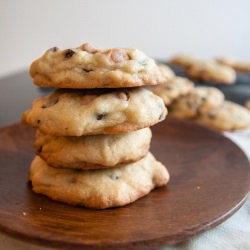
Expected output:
(209, 182)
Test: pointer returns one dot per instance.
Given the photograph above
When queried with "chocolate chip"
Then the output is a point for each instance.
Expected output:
(54, 49)
(38, 122)
(114, 177)
(50, 102)
(69, 53)
(87, 70)
(39, 150)
(100, 116)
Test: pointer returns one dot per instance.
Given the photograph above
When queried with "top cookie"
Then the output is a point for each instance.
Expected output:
(90, 67)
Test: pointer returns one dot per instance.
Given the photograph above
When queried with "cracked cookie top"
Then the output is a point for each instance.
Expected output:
(90, 67)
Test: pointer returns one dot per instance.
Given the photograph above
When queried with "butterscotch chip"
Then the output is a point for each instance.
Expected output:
(228, 117)
(68, 112)
(90, 67)
(212, 71)
(98, 189)
(93, 151)
(199, 100)
(172, 89)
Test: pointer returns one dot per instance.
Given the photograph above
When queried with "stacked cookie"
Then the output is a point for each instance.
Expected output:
(93, 136)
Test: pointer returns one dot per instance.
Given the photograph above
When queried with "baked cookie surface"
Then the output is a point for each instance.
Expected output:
(69, 112)
(228, 117)
(98, 189)
(167, 70)
(172, 89)
(199, 100)
(235, 64)
(212, 72)
(183, 60)
(93, 151)
(90, 67)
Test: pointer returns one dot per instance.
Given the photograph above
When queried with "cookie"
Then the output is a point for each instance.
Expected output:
(237, 65)
(212, 72)
(90, 67)
(71, 112)
(199, 100)
(228, 117)
(93, 151)
(247, 104)
(167, 70)
(183, 61)
(172, 89)
(98, 189)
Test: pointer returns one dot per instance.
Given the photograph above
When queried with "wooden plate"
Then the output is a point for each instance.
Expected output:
(209, 182)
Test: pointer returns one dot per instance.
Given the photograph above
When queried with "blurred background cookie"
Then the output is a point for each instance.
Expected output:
(199, 100)
(172, 89)
(183, 61)
(235, 64)
(212, 72)
(228, 117)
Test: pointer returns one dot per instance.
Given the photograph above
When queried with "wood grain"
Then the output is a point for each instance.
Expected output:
(209, 182)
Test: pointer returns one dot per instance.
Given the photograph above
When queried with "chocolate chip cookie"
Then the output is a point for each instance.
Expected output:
(199, 100)
(93, 151)
(212, 72)
(183, 61)
(229, 116)
(98, 189)
(70, 112)
(88, 66)
(239, 66)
